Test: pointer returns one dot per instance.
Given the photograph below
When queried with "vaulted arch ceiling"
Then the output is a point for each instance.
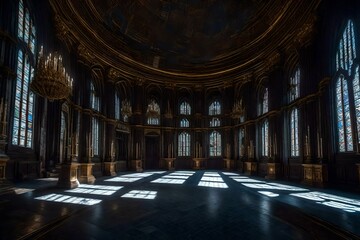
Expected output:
(184, 41)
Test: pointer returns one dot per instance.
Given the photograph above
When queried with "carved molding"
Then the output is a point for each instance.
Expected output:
(87, 56)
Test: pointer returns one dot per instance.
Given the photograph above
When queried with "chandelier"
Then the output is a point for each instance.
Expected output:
(51, 80)
(238, 110)
(153, 110)
(126, 109)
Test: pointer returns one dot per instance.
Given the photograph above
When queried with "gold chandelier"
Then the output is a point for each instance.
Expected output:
(153, 110)
(126, 109)
(51, 80)
(238, 110)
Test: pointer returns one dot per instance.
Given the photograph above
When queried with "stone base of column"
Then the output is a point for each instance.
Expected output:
(5, 186)
(68, 176)
(250, 168)
(273, 171)
(228, 164)
(3, 159)
(109, 169)
(137, 165)
(86, 175)
(315, 174)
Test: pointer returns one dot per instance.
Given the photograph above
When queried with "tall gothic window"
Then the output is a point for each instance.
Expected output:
(117, 106)
(215, 144)
(185, 108)
(294, 86)
(294, 132)
(94, 99)
(215, 108)
(241, 142)
(347, 91)
(263, 106)
(265, 138)
(22, 128)
(184, 123)
(215, 136)
(184, 144)
(95, 136)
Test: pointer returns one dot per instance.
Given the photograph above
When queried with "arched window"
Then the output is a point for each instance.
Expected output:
(153, 113)
(241, 142)
(117, 106)
(264, 102)
(294, 86)
(22, 127)
(94, 99)
(185, 108)
(95, 136)
(215, 144)
(184, 144)
(347, 88)
(294, 132)
(184, 123)
(265, 138)
(215, 108)
(215, 122)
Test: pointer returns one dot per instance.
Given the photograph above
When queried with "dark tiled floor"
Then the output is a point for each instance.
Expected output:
(181, 211)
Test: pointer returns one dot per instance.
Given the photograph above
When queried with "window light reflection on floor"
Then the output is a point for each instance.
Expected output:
(19, 191)
(169, 181)
(230, 174)
(213, 184)
(139, 194)
(185, 172)
(176, 176)
(68, 199)
(247, 180)
(330, 200)
(122, 179)
(95, 189)
(213, 180)
(272, 187)
(103, 187)
(269, 194)
(48, 179)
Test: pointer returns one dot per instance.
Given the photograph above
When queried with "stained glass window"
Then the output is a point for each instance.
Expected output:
(117, 106)
(356, 89)
(294, 132)
(294, 87)
(184, 122)
(265, 138)
(184, 144)
(22, 127)
(185, 108)
(95, 136)
(215, 144)
(94, 99)
(215, 108)
(347, 113)
(343, 115)
(26, 28)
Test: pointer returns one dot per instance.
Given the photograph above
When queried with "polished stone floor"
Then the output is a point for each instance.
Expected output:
(179, 205)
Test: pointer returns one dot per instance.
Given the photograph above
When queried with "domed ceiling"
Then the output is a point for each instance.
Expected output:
(181, 39)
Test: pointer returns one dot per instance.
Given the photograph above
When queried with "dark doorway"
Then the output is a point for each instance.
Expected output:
(152, 154)
(122, 151)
